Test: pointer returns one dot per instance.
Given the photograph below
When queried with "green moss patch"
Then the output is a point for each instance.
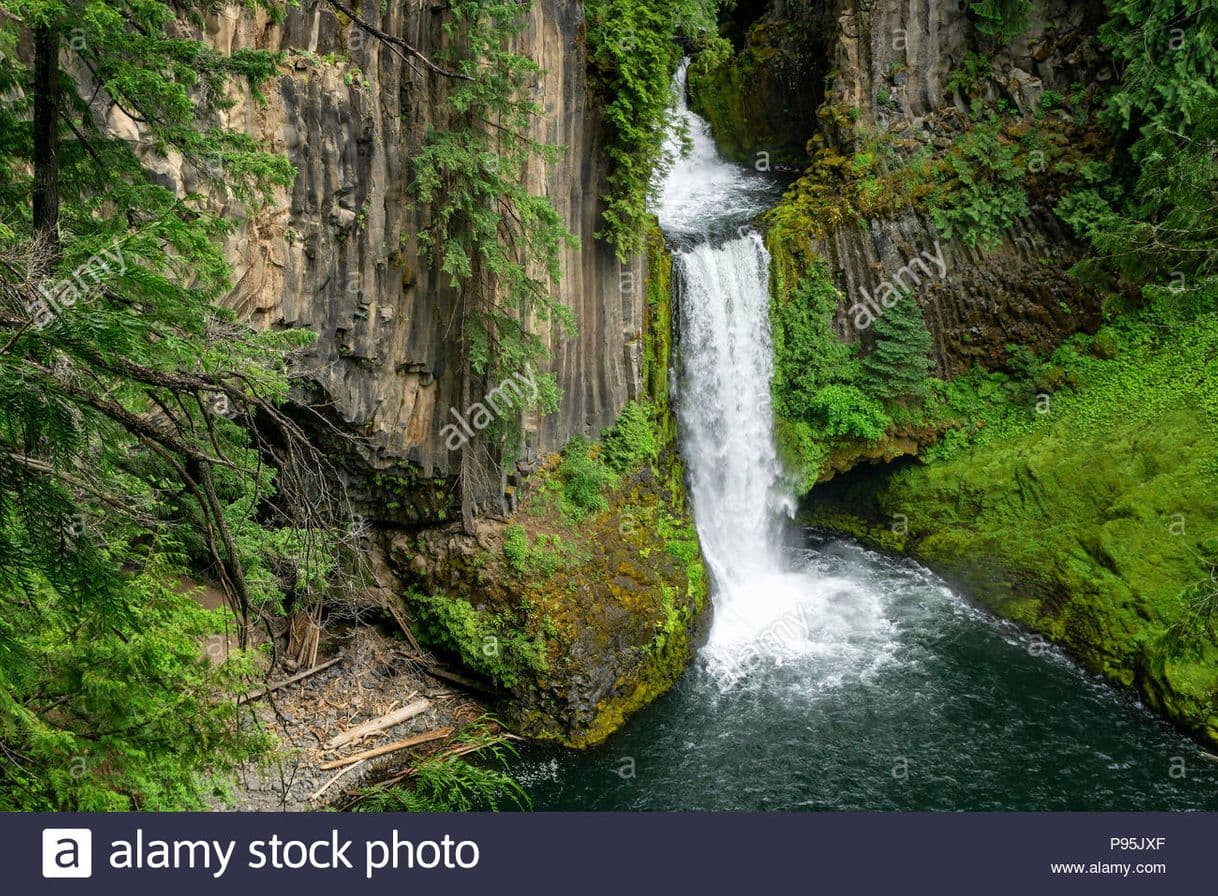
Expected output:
(1089, 514)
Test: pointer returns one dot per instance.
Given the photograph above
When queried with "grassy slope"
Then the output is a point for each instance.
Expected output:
(1088, 523)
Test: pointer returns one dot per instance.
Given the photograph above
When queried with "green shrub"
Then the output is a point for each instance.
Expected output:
(631, 442)
(971, 76)
(537, 561)
(500, 649)
(515, 544)
(981, 191)
(585, 479)
(818, 390)
(1004, 20)
(808, 355)
(848, 412)
(1050, 100)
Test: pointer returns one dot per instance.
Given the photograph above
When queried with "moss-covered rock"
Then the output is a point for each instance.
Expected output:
(578, 620)
(763, 99)
(1091, 517)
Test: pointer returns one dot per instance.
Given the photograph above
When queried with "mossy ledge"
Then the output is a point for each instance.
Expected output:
(576, 622)
(1090, 520)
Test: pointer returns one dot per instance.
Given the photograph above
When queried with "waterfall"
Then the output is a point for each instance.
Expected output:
(724, 409)
(726, 423)
(828, 666)
(700, 190)
(722, 274)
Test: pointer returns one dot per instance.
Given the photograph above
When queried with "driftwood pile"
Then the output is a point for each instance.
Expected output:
(332, 744)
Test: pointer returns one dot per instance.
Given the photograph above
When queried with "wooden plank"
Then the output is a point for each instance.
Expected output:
(425, 737)
(409, 711)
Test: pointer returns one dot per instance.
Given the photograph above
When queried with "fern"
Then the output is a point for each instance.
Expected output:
(1003, 20)
(451, 783)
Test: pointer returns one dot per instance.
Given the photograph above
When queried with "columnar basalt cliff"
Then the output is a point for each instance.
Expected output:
(340, 255)
(895, 63)
(894, 79)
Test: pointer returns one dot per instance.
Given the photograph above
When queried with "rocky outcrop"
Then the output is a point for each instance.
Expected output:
(1091, 523)
(897, 72)
(574, 624)
(339, 254)
(895, 61)
(761, 104)
(1016, 293)
(1087, 529)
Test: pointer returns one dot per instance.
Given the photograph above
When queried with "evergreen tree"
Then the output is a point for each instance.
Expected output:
(900, 358)
(1157, 226)
(500, 245)
(129, 454)
(808, 354)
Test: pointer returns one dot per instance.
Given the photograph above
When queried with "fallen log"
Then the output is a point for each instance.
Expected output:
(316, 794)
(299, 676)
(409, 711)
(401, 621)
(425, 737)
(442, 672)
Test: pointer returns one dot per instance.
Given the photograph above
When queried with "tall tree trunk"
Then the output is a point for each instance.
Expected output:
(465, 481)
(46, 136)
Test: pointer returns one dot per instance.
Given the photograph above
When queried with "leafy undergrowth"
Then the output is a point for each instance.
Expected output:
(445, 780)
(1088, 513)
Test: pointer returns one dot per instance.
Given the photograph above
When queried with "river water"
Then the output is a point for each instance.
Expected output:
(836, 678)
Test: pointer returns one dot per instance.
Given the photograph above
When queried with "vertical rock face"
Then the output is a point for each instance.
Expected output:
(893, 72)
(340, 255)
(912, 49)
(894, 62)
